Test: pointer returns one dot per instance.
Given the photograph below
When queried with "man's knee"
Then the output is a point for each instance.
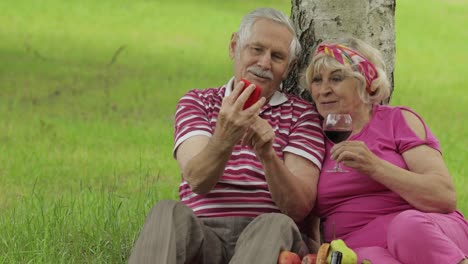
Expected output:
(169, 208)
(278, 220)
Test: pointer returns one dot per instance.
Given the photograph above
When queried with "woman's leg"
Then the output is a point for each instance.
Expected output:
(417, 237)
(375, 255)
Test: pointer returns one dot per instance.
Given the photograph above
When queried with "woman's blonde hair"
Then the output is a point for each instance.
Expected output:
(380, 87)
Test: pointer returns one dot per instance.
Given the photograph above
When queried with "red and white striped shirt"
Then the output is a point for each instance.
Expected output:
(242, 190)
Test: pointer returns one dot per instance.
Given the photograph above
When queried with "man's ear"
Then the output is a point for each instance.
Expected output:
(233, 45)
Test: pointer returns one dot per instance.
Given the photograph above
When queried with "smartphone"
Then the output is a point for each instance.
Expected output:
(254, 96)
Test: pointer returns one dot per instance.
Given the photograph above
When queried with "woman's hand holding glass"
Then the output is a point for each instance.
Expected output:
(337, 128)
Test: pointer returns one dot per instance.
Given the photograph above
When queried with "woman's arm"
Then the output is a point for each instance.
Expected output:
(426, 185)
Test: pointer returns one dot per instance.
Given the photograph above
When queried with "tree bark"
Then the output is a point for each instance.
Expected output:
(318, 20)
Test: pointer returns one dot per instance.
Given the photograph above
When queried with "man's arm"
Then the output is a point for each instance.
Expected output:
(292, 182)
(202, 162)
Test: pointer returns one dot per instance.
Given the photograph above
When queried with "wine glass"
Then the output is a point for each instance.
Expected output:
(337, 128)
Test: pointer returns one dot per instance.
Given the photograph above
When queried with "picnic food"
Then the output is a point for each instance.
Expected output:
(322, 253)
(254, 96)
(288, 257)
(325, 250)
(336, 257)
(348, 255)
(309, 259)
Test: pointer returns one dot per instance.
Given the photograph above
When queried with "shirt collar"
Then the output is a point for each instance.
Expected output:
(277, 98)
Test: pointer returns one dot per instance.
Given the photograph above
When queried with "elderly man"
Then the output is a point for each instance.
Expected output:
(248, 175)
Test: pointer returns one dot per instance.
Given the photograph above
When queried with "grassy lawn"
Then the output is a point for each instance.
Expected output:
(87, 95)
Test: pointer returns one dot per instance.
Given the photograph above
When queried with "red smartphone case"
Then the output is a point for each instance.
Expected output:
(254, 96)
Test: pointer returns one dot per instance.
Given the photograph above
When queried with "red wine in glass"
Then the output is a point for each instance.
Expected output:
(337, 135)
(337, 128)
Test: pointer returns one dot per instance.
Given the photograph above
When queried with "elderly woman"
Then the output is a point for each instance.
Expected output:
(396, 203)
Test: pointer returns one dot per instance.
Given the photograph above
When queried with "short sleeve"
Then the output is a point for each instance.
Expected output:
(190, 119)
(406, 138)
(306, 138)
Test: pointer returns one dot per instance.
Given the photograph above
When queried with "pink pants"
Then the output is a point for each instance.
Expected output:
(418, 237)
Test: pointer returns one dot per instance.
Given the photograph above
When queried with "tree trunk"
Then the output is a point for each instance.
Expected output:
(318, 20)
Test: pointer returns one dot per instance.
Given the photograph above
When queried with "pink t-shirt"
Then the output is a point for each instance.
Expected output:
(348, 203)
(242, 189)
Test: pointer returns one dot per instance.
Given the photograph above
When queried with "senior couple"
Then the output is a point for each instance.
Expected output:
(251, 177)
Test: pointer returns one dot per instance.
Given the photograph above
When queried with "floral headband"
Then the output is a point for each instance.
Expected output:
(347, 56)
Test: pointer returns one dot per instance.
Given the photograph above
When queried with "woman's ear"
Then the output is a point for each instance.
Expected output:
(233, 45)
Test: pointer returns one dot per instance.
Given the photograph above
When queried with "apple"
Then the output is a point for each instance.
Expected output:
(309, 259)
(288, 257)
(254, 96)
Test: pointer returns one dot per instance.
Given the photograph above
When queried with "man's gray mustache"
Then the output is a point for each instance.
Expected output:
(262, 73)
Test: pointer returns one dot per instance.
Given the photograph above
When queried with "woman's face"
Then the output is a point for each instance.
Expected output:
(333, 91)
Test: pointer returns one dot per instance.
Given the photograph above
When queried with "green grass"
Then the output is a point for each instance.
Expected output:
(86, 140)
(430, 76)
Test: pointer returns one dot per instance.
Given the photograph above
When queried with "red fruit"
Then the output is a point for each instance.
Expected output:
(254, 96)
(287, 257)
(309, 259)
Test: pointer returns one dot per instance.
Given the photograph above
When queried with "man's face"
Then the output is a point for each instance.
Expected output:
(263, 60)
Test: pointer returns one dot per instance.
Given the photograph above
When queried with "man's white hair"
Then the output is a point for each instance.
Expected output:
(245, 29)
